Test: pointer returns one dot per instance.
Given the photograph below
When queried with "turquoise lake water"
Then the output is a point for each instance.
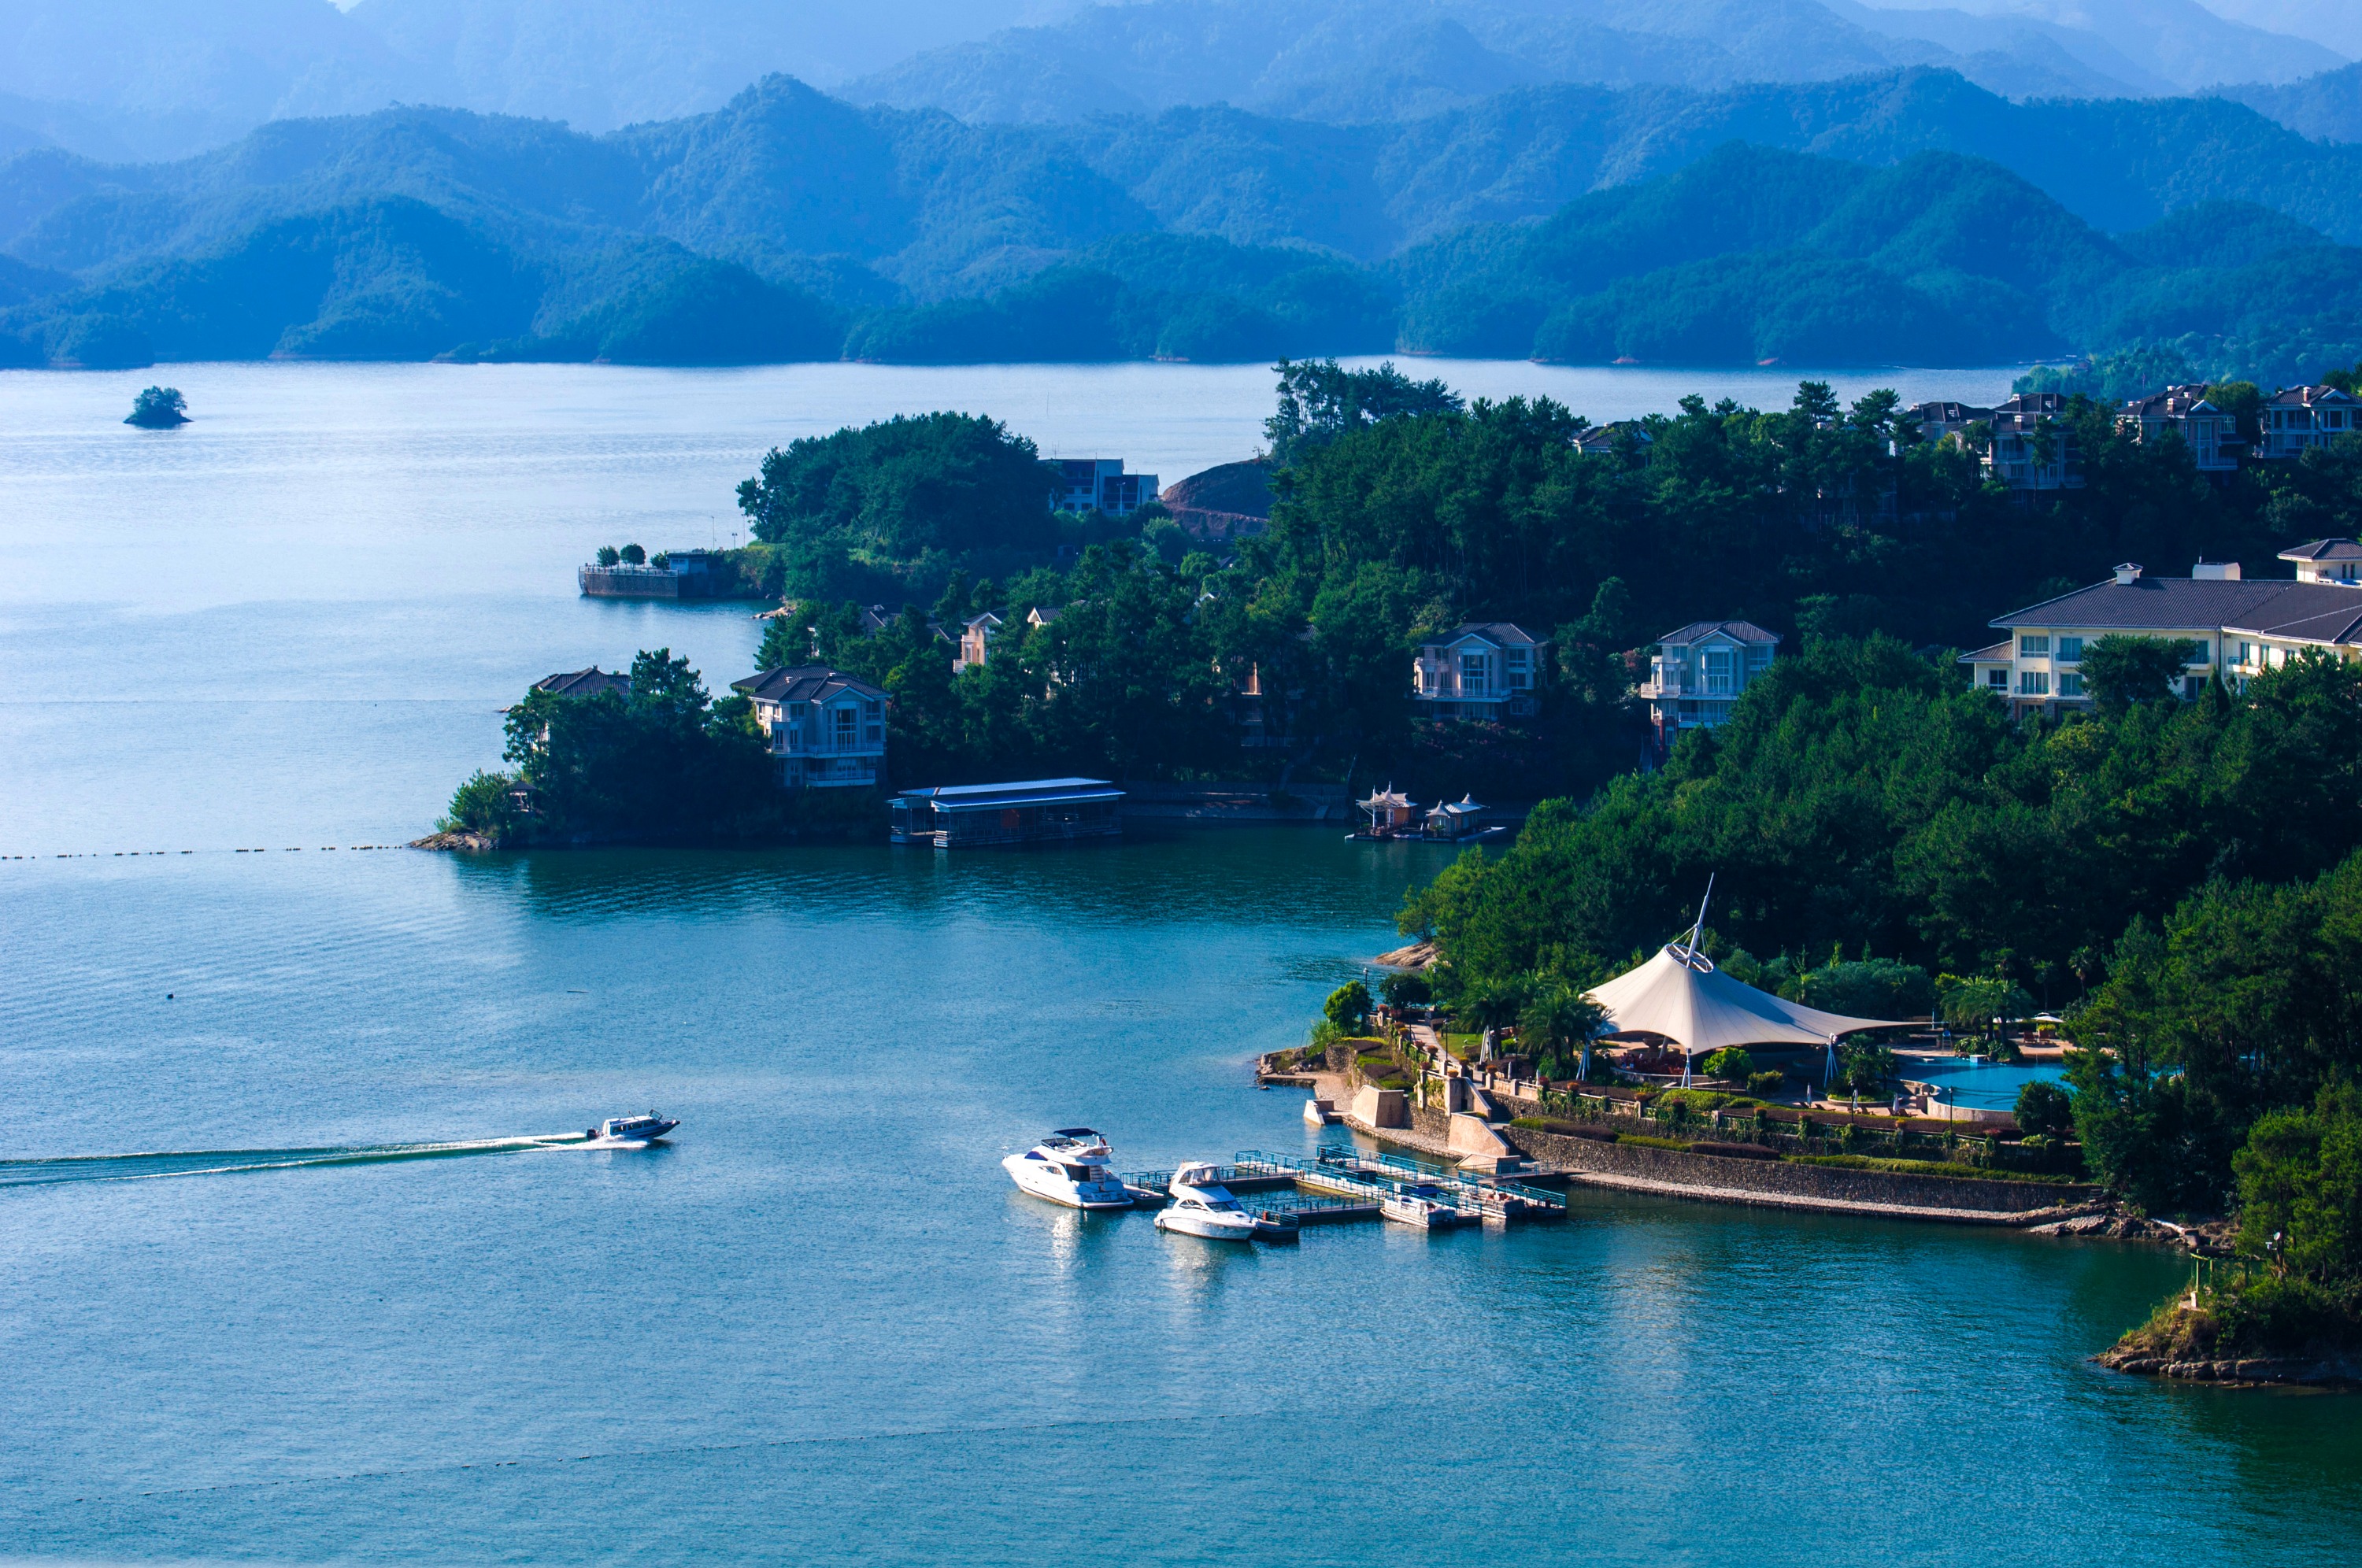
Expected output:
(822, 1327)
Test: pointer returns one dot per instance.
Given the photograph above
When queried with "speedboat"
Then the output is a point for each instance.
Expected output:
(631, 1129)
(1421, 1205)
(1070, 1166)
(1202, 1206)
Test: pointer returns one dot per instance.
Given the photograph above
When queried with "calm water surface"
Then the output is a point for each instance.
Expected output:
(822, 1327)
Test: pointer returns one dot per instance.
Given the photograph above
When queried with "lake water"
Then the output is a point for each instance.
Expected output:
(822, 1327)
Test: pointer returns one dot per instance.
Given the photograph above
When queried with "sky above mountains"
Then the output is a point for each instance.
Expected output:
(124, 80)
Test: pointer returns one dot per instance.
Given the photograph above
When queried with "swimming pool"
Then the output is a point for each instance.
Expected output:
(1979, 1086)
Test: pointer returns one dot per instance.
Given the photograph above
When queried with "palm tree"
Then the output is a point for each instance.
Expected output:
(1558, 1018)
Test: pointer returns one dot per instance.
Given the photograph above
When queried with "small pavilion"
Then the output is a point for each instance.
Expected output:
(1390, 812)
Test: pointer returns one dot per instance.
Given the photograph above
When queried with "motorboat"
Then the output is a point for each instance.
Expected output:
(631, 1129)
(1202, 1206)
(1070, 1166)
(1422, 1205)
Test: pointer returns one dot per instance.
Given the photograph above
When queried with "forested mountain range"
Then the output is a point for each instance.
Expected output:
(792, 225)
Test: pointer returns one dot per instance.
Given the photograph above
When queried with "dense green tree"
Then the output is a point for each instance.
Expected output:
(2119, 671)
(900, 489)
(1348, 1007)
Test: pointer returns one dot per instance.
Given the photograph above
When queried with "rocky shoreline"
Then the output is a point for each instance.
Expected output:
(2242, 1372)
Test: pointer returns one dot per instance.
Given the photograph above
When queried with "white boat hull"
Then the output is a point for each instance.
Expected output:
(1213, 1227)
(1040, 1179)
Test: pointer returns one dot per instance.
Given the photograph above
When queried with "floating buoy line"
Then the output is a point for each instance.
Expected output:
(136, 854)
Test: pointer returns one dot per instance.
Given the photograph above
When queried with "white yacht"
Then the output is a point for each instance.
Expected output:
(1202, 1206)
(631, 1129)
(1070, 1166)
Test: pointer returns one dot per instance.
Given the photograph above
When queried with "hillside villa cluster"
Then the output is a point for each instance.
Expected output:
(2021, 443)
(827, 729)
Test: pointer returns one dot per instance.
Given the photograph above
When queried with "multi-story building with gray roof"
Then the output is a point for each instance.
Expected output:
(1699, 671)
(2229, 626)
(826, 728)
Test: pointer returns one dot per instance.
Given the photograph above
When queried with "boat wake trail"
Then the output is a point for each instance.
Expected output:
(228, 1161)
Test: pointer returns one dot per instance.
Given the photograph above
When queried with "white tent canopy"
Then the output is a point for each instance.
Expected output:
(1679, 995)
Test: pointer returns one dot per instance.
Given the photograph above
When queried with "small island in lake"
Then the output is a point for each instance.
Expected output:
(158, 408)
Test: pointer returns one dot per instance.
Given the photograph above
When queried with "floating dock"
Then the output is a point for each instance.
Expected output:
(1340, 1185)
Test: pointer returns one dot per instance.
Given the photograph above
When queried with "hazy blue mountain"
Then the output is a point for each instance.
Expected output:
(1758, 254)
(132, 78)
(1359, 60)
(2327, 107)
(1548, 219)
(2177, 41)
(2333, 24)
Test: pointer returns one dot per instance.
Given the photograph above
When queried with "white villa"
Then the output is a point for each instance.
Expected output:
(2212, 434)
(1100, 484)
(826, 729)
(2296, 418)
(1698, 672)
(976, 641)
(2230, 626)
(1482, 669)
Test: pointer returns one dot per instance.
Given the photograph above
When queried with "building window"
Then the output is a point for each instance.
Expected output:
(2034, 647)
(2071, 650)
(2071, 684)
(1997, 678)
(1472, 674)
(1717, 672)
(2199, 652)
(2034, 683)
(846, 718)
(1520, 666)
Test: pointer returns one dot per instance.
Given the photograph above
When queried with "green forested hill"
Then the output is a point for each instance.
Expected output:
(1909, 216)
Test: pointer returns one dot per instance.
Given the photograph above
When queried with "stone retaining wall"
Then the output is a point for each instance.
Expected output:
(1781, 1177)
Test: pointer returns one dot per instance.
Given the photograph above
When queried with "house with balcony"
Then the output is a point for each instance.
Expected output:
(825, 729)
(2212, 435)
(976, 641)
(2295, 420)
(2228, 626)
(2336, 562)
(2032, 451)
(1699, 671)
(1100, 484)
(2029, 449)
(1486, 670)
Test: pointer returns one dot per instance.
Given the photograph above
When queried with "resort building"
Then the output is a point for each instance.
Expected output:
(2027, 447)
(2327, 560)
(976, 641)
(2228, 626)
(1482, 669)
(1699, 671)
(1100, 484)
(2296, 419)
(826, 728)
(1600, 440)
(2212, 435)
(584, 683)
(1034, 811)
(2031, 449)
